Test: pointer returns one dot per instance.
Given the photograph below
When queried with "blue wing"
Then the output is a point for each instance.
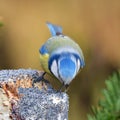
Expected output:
(54, 29)
(43, 50)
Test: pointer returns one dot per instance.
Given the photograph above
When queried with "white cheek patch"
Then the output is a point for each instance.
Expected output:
(78, 65)
(54, 68)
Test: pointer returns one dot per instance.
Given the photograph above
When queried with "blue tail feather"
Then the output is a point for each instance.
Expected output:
(54, 29)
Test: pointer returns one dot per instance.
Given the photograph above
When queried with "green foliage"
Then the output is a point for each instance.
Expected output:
(109, 107)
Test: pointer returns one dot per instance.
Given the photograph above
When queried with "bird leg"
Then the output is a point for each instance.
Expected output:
(40, 79)
(65, 87)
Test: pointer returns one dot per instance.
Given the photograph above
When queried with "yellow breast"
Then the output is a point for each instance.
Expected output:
(44, 62)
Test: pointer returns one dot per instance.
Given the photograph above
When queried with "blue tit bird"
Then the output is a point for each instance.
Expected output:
(61, 56)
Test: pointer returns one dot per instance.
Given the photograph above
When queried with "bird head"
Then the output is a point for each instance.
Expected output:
(64, 64)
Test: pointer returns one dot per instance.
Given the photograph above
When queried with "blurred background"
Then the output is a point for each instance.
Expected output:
(94, 25)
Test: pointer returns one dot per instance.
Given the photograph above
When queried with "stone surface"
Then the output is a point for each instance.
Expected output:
(20, 100)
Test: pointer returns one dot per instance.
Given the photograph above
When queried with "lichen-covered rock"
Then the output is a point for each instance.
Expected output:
(27, 102)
